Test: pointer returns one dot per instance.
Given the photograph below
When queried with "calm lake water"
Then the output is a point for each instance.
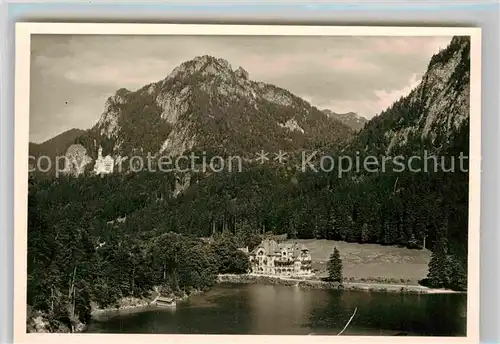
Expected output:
(283, 310)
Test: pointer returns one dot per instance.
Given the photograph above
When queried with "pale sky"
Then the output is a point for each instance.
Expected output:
(73, 75)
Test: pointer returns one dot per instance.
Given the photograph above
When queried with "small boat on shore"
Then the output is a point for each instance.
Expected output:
(165, 302)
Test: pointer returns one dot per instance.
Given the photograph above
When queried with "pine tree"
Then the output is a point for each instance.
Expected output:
(458, 276)
(438, 275)
(335, 267)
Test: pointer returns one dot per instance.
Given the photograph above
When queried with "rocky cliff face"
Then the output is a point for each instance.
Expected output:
(432, 114)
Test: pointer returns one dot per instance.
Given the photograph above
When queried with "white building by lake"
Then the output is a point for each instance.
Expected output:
(270, 258)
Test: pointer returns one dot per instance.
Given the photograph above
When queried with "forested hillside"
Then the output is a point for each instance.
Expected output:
(76, 256)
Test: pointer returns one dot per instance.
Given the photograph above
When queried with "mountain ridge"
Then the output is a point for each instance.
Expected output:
(352, 119)
(206, 105)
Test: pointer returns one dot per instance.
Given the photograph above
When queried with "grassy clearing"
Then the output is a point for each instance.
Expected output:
(370, 262)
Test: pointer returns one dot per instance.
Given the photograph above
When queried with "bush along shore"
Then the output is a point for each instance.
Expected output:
(128, 304)
(310, 283)
(44, 322)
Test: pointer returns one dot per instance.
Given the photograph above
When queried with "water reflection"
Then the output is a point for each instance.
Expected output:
(263, 309)
(279, 309)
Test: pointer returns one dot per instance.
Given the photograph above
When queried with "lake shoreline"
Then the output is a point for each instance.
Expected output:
(301, 312)
(133, 304)
(308, 283)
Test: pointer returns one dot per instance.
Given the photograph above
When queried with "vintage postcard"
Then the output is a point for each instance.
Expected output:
(179, 181)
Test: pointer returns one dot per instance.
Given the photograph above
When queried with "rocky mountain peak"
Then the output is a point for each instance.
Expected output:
(242, 73)
(206, 105)
(204, 65)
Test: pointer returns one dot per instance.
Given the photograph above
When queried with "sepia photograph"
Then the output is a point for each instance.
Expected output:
(241, 180)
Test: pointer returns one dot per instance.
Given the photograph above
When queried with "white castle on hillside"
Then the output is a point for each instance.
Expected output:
(103, 165)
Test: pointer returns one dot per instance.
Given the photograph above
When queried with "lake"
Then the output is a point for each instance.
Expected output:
(284, 310)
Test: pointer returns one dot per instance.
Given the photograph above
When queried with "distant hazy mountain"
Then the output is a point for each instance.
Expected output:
(350, 119)
(55, 146)
(52, 148)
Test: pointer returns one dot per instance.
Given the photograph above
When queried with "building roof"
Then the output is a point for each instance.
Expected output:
(273, 248)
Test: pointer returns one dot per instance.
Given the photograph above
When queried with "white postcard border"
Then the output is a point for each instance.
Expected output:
(21, 138)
